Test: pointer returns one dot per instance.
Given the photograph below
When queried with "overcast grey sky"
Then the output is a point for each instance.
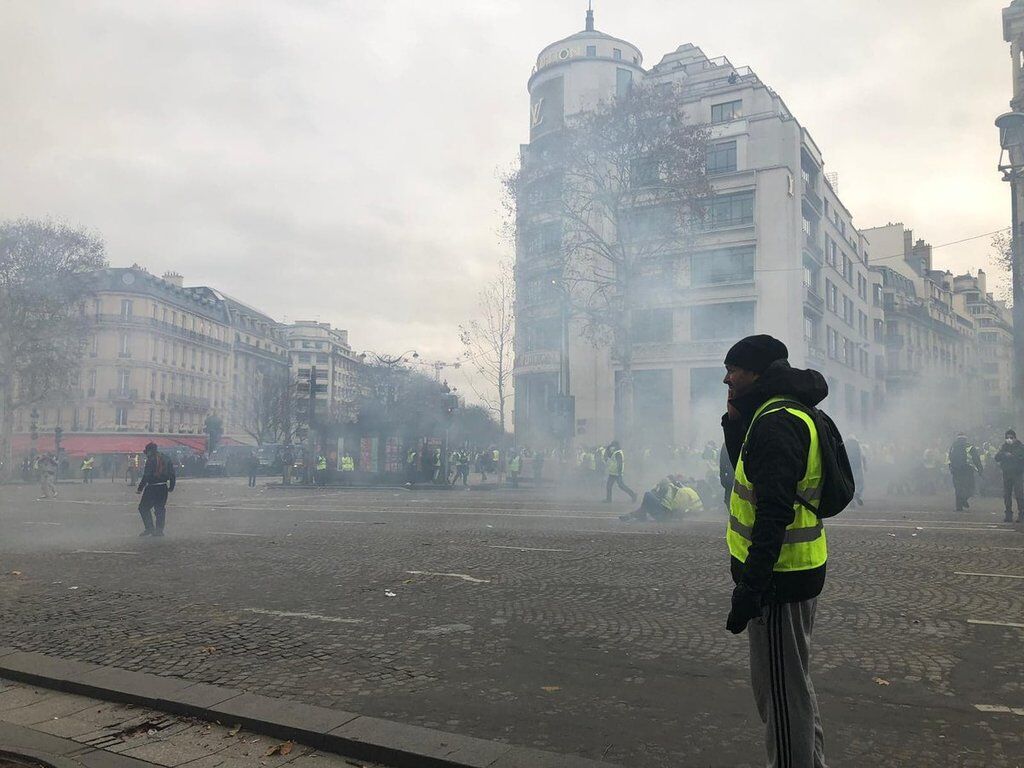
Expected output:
(338, 159)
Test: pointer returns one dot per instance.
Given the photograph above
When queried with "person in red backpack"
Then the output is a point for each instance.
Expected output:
(158, 479)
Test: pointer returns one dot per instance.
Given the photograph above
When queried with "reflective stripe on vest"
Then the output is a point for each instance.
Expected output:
(804, 546)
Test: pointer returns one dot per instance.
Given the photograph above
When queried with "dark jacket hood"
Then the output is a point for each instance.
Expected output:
(780, 379)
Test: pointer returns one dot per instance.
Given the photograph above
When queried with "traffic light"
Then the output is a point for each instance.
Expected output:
(58, 432)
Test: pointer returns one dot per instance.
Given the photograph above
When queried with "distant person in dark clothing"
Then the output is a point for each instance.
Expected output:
(254, 466)
(158, 479)
(1010, 459)
(964, 462)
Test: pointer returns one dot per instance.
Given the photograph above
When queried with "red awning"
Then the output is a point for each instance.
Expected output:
(75, 445)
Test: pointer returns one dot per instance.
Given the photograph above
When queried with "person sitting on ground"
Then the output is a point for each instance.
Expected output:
(671, 498)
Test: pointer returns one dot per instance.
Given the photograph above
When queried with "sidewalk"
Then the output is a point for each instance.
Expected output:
(69, 731)
(206, 717)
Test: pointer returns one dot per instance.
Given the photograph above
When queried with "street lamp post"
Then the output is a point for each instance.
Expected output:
(1011, 164)
(566, 403)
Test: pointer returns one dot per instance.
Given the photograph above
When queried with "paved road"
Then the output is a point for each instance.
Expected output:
(543, 622)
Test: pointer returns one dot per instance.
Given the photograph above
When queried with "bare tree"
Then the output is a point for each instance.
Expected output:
(627, 185)
(264, 406)
(1002, 257)
(488, 341)
(45, 277)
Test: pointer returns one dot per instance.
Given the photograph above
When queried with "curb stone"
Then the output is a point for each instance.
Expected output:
(346, 733)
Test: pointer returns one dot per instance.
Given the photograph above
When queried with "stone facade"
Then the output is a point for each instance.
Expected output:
(790, 262)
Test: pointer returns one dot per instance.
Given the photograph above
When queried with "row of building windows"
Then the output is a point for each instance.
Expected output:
(167, 315)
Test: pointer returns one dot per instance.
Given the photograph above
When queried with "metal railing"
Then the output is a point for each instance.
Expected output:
(812, 297)
(123, 394)
(188, 401)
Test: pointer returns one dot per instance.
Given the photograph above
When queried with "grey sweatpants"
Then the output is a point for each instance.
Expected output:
(780, 655)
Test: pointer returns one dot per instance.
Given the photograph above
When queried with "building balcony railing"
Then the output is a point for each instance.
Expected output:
(812, 298)
(124, 394)
(281, 357)
(538, 358)
(123, 319)
(152, 322)
(700, 349)
(811, 246)
(815, 352)
(812, 197)
(188, 401)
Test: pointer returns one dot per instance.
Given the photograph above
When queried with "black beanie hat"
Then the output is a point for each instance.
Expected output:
(756, 353)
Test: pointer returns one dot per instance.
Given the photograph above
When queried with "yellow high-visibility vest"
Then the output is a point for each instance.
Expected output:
(616, 463)
(804, 547)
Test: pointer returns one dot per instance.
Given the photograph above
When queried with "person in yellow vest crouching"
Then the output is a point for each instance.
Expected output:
(671, 499)
(777, 544)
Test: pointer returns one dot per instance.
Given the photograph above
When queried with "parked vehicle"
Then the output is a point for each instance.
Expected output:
(229, 461)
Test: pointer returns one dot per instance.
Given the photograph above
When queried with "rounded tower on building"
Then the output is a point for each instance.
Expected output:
(575, 73)
(571, 75)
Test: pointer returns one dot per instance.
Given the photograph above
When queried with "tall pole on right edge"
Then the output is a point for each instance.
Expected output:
(1011, 139)
(1017, 280)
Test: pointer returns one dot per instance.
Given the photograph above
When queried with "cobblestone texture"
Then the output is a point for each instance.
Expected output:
(615, 648)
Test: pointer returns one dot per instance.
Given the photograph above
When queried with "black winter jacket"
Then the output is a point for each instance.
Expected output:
(774, 462)
(1011, 458)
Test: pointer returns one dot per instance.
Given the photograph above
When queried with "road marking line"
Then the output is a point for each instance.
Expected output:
(628, 533)
(302, 615)
(527, 549)
(340, 522)
(102, 552)
(993, 575)
(39, 522)
(995, 623)
(462, 576)
(1000, 708)
(229, 533)
(481, 513)
(911, 521)
(923, 527)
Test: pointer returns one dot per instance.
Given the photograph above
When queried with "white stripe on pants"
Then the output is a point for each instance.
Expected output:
(780, 655)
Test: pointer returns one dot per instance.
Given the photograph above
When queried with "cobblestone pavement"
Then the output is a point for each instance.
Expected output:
(153, 737)
(542, 622)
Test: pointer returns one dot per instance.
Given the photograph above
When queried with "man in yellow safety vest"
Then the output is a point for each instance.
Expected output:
(777, 544)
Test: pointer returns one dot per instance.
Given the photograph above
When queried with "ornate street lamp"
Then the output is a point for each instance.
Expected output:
(1011, 164)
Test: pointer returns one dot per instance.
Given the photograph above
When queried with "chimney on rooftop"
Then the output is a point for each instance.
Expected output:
(174, 279)
(590, 18)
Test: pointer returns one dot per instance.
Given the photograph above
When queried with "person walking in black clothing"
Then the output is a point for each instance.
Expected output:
(616, 466)
(254, 466)
(964, 461)
(158, 479)
(1010, 459)
(776, 543)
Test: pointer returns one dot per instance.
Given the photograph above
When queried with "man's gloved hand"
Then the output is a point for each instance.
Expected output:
(746, 605)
